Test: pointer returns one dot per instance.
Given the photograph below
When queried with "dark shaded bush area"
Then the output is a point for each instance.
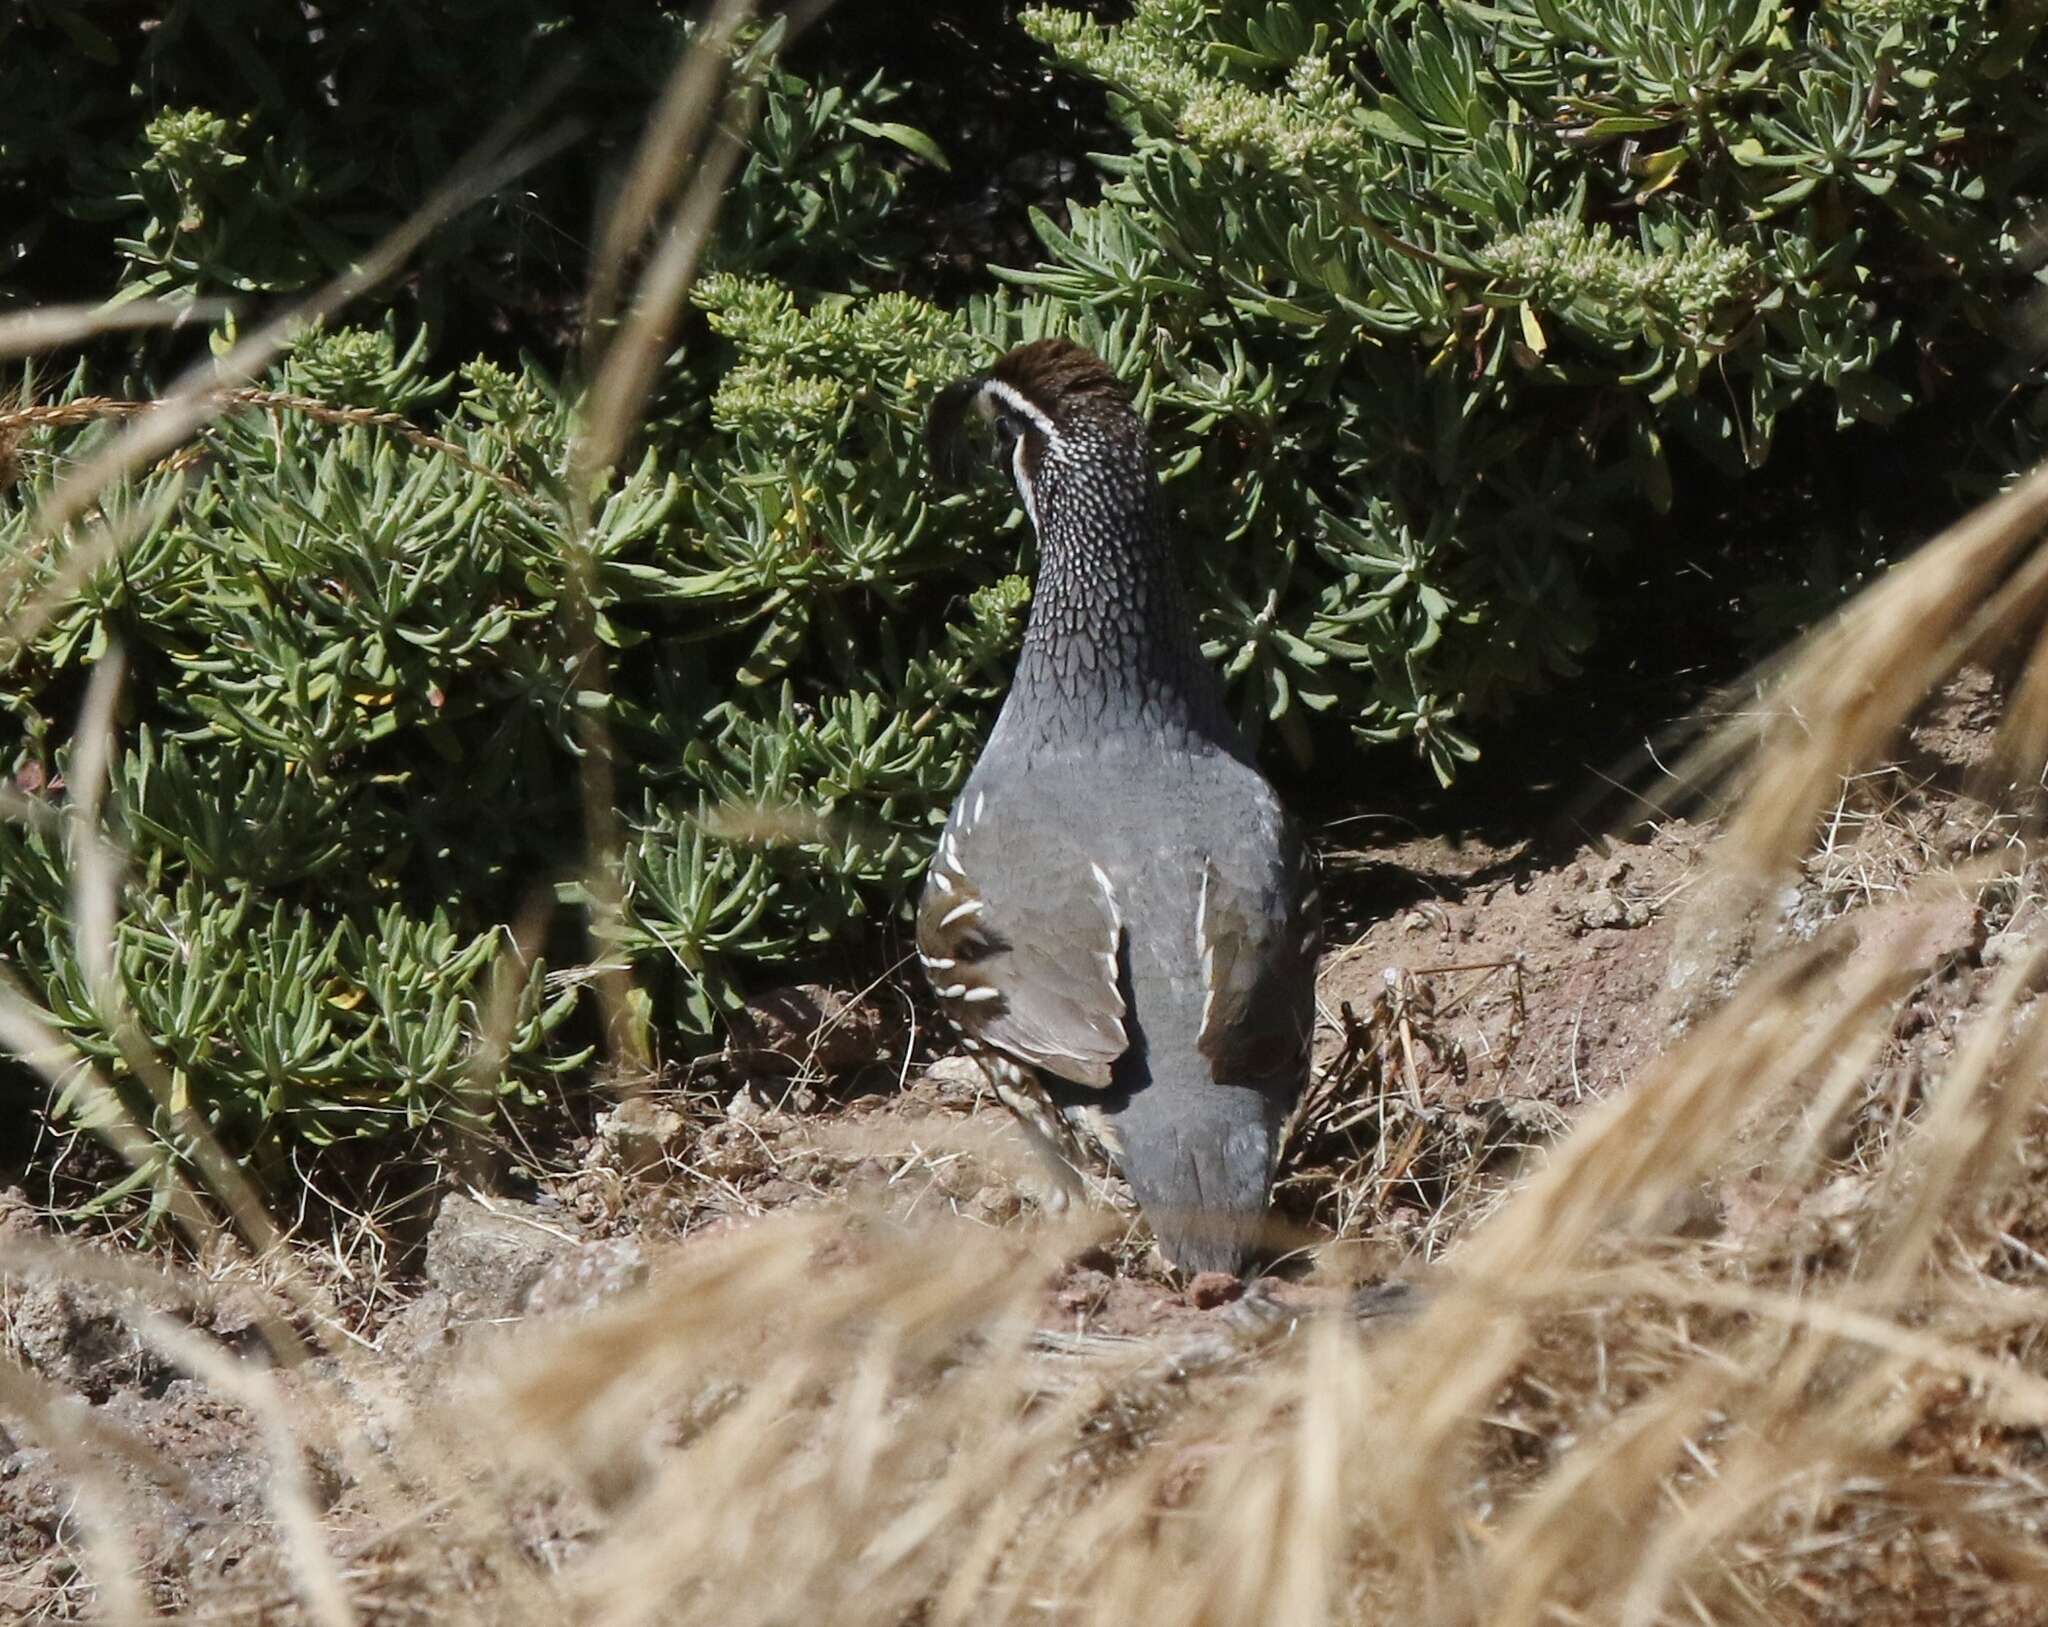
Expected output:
(237, 147)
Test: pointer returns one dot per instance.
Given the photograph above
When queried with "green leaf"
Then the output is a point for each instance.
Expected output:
(908, 137)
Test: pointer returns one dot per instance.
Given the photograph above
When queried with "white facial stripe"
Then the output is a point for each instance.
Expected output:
(1025, 489)
(1016, 401)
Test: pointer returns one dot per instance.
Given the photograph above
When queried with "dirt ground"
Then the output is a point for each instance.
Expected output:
(1480, 993)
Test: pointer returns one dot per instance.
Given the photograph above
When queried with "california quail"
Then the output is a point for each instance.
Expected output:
(1120, 918)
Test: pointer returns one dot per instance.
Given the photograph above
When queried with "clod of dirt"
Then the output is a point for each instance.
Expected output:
(1923, 932)
(1208, 1289)
(1607, 909)
(1612, 905)
(16, 1211)
(807, 1026)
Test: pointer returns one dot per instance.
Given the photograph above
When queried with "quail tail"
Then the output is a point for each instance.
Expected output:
(1200, 1162)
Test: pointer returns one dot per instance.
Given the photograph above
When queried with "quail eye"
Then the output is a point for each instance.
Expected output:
(1008, 427)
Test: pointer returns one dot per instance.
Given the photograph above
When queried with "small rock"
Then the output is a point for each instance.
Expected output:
(1185, 1471)
(1084, 1289)
(2003, 948)
(2011, 947)
(808, 1025)
(638, 1133)
(586, 1277)
(487, 1259)
(1721, 932)
(777, 1192)
(418, 1335)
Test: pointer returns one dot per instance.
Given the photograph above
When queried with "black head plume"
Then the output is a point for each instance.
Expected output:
(1031, 400)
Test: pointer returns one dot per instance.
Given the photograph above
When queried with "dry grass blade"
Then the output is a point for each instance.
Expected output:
(666, 149)
(611, 406)
(96, 889)
(1832, 707)
(631, 356)
(619, 394)
(89, 409)
(89, 1450)
(510, 974)
(26, 333)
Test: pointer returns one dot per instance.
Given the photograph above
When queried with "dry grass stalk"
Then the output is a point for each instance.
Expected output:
(51, 327)
(664, 155)
(95, 915)
(93, 408)
(626, 361)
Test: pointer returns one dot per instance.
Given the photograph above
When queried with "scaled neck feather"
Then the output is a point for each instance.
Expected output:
(1111, 643)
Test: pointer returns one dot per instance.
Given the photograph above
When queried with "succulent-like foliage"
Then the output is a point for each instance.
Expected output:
(1432, 292)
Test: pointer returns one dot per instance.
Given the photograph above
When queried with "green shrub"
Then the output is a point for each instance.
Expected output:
(1431, 293)
(348, 751)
